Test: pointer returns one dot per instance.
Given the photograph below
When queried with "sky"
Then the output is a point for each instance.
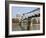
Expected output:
(21, 10)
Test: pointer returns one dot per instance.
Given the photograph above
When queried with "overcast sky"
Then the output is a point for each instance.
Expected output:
(21, 10)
